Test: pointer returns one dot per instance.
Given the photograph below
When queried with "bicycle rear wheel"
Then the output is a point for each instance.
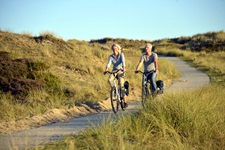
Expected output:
(114, 100)
(145, 95)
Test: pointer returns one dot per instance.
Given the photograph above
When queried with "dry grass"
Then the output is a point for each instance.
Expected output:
(73, 74)
(187, 120)
(183, 121)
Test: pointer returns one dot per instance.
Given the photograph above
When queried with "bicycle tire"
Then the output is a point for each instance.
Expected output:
(114, 100)
(145, 95)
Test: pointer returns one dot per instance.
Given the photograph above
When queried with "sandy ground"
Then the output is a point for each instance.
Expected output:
(57, 123)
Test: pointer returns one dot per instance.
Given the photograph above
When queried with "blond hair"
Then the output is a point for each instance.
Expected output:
(118, 47)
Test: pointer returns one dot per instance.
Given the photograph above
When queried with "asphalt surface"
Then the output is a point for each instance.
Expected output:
(190, 79)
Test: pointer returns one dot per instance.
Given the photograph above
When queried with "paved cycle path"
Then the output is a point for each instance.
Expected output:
(190, 78)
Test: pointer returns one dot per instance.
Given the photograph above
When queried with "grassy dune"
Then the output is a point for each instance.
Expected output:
(66, 73)
(187, 120)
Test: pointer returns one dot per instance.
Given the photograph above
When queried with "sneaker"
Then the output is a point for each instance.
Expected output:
(125, 105)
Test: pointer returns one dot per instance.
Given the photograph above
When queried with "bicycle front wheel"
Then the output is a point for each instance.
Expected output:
(114, 100)
(145, 95)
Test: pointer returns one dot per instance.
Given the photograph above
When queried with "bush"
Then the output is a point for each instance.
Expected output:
(20, 76)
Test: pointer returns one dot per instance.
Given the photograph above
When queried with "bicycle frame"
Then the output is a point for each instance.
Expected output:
(117, 87)
(145, 90)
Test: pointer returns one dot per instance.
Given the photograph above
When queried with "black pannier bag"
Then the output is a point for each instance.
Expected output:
(160, 85)
(126, 86)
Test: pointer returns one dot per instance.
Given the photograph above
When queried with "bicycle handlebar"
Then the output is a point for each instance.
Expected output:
(139, 71)
(112, 72)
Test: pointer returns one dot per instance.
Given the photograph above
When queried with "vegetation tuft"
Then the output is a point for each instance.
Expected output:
(187, 120)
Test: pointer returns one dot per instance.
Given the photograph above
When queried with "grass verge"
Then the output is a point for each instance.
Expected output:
(187, 120)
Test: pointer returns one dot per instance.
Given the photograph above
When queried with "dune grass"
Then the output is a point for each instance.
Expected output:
(174, 52)
(70, 90)
(187, 120)
(73, 72)
(183, 120)
(210, 62)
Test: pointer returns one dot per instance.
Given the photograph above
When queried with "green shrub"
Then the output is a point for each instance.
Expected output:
(52, 82)
(21, 76)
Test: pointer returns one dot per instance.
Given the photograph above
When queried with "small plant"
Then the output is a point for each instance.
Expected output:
(48, 34)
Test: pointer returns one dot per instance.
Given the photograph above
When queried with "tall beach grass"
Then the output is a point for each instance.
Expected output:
(187, 120)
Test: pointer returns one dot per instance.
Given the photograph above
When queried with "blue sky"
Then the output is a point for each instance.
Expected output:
(96, 19)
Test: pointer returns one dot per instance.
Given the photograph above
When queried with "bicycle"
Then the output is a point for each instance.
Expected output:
(115, 93)
(145, 92)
